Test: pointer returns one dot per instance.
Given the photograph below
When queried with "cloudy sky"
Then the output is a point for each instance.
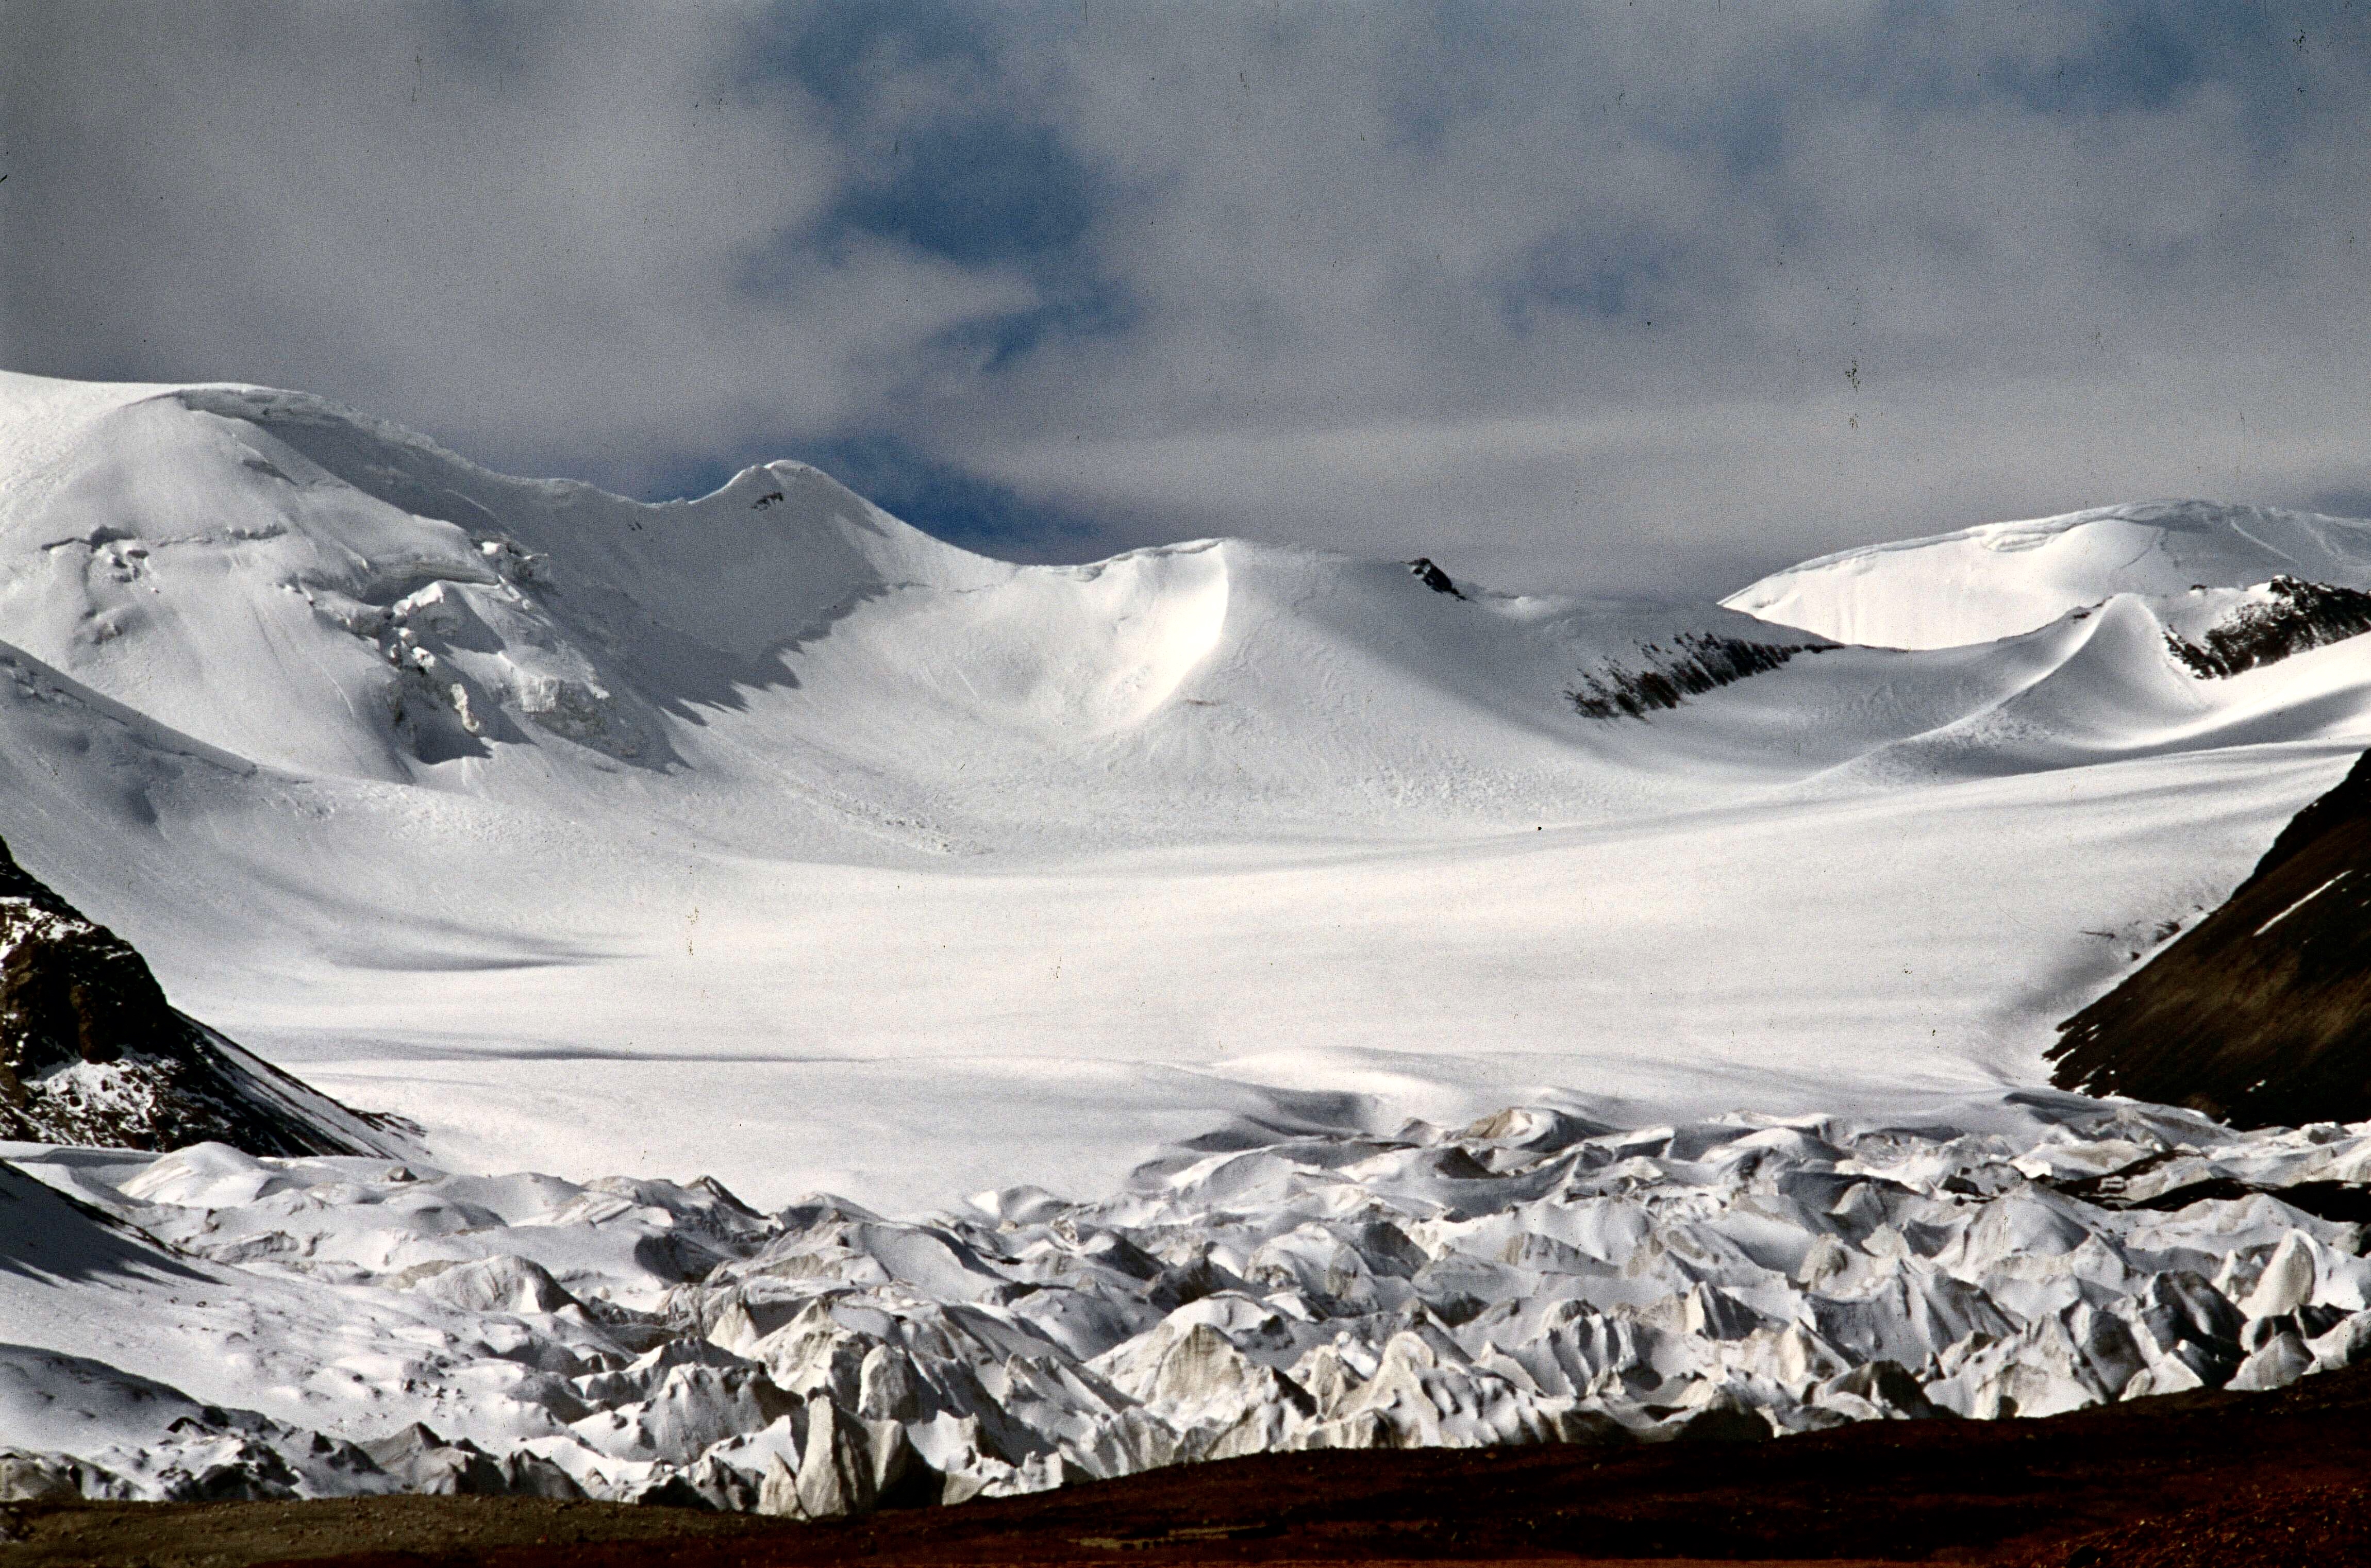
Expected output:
(1619, 297)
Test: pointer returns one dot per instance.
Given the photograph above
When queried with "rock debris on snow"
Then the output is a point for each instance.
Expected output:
(1695, 663)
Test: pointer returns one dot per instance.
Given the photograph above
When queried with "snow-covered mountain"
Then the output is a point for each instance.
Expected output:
(428, 779)
(318, 593)
(2001, 578)
(763, 838)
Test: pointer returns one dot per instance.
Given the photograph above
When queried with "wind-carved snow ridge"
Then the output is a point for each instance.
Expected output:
(1528, 1278)
(1700, 662)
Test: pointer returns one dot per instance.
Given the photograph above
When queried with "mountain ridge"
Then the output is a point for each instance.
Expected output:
(1873, 594)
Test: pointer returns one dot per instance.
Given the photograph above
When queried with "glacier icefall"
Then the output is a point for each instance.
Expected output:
(1532, 1277)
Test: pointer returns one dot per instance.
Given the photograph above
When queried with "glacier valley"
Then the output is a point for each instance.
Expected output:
(982, 1026)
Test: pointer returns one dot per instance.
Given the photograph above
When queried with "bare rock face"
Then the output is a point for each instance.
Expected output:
(1423, 570)
(1696, 663)
(92, 1053)
(2292, 617)
(2261, 1015)
(70, 990)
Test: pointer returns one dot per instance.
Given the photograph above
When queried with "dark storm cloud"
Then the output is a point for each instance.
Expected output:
(1568, 294)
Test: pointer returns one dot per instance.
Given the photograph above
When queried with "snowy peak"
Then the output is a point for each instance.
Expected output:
(329, 594)
(775, 550)
(314, 589)
(2002, 579)
(647, 612)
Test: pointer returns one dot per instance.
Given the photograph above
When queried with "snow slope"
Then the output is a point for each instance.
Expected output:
(2001, 578)
(761, 835)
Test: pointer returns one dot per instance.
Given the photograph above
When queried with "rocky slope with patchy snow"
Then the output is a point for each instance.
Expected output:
(91, 1053)
(2259, 1013)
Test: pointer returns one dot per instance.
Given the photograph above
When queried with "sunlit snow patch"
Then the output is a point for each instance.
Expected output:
(2001, 578)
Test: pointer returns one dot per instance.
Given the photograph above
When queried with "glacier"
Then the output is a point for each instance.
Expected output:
(1530, 1278)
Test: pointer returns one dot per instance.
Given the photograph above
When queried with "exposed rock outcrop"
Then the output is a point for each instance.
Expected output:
(2292, 616)
(2260, 1015)
(1423, 570)
(92, 1053)
(1696, 663)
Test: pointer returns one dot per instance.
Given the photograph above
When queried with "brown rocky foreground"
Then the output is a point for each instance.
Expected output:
(2192, 1481)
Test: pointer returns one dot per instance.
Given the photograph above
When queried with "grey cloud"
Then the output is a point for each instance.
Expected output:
(1629, 299)
(2043, 298)
(544, 233)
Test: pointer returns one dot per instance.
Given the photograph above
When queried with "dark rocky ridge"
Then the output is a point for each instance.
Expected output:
(91, 1052)
(2261, 1015)
(1431, 576)
(2300, 616)
(1700, 663)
